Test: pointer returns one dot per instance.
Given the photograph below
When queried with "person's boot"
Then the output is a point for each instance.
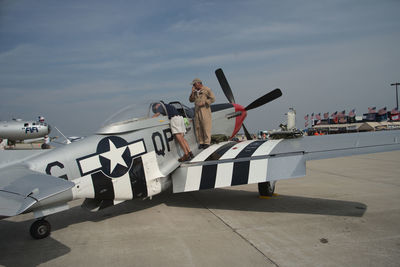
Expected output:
(184, 158)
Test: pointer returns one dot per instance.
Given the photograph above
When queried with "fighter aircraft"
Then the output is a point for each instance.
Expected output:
(138, 158)
(20, 130)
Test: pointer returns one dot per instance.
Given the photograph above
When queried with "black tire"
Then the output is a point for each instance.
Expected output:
(266, 189)
(40, 229)
(45, 146)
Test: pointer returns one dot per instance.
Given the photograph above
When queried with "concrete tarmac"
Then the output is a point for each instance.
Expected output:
(345, 212)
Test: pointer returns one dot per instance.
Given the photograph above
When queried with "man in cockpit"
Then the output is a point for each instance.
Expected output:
(177, 127)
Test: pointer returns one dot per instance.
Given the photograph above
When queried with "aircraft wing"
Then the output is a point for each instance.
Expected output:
(20, 188)
(230, 163)
(11, 157)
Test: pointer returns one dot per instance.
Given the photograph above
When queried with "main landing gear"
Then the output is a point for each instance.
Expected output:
(40, 229)
(266, 189)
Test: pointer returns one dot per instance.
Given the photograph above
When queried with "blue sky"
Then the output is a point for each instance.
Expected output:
(79, 62)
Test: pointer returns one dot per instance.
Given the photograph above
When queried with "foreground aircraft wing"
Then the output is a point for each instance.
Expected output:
(230, 163)
(20, 188)
(11, 157)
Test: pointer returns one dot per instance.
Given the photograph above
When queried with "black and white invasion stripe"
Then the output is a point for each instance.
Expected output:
(225, 164)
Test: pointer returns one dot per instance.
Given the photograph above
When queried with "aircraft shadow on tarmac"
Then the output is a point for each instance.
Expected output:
(224, 199)
(19, 249)
(16, 241)
(250, 201)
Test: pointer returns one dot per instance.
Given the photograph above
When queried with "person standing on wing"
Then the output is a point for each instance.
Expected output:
(177, 127)
(202, 97)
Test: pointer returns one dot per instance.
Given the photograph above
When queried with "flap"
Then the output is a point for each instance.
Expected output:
(19, 186)
(13, 204)
(229, 164)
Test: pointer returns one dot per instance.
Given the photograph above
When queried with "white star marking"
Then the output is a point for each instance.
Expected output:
(115, 156)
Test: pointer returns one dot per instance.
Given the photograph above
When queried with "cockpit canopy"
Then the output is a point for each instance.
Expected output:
(183, 110)
(123, 121)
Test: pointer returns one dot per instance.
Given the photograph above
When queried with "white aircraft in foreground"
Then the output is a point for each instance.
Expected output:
(138, 158)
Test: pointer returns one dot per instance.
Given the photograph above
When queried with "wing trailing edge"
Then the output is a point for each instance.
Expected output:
(21, 188)
(230, 163)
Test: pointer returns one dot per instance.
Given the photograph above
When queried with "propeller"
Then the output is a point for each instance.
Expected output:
(274, 94)
(225, 85)
(246, 133)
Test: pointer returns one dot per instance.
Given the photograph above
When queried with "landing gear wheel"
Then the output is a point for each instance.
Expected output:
(40, 229)
(266, 189)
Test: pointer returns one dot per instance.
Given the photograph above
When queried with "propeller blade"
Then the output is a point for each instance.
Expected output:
(246, 133)
(225, 85)
(265, 99)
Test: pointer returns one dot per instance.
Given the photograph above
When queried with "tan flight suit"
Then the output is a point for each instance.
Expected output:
(202, 113)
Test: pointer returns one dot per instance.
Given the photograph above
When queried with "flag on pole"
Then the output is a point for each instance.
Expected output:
(372, 110)
(352, 113)
(326, 115)
(394, 114)
(342, 117)
(306, 117)
(382, 111)
(318, 116)
(334, 117)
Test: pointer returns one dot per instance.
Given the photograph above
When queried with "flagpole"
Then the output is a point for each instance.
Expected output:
(397, 99)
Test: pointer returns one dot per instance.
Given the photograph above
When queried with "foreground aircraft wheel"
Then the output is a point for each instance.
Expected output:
(40, 229)
(266, 189)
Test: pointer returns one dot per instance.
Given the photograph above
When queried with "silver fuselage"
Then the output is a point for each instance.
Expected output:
(23, 130)
(81, 161)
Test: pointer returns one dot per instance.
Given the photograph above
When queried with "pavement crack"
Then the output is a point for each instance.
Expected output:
(236, 232)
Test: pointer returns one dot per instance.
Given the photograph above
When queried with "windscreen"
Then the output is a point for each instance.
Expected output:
(129, 113)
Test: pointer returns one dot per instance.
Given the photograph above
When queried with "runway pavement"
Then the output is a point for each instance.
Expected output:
(345, 212)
